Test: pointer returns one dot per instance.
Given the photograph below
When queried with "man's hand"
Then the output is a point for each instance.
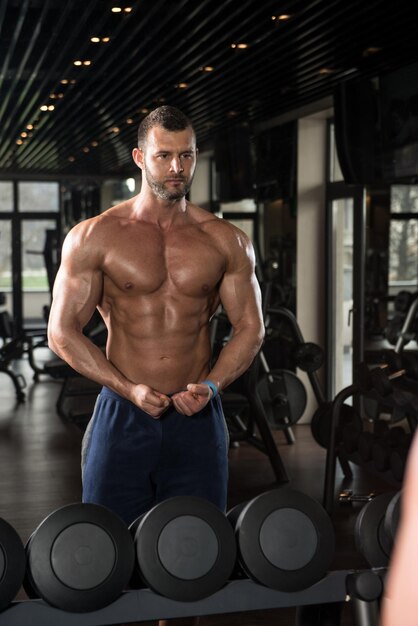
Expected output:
(149, 400)
(193, 400)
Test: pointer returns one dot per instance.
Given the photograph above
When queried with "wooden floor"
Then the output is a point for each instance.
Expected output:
(40, 472)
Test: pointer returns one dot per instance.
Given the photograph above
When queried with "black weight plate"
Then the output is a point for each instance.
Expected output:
(12, 563)
(81, 557)
(283, 396)
(322, 418)
(369, 531)
(285, 540)
(28, 584)
(392, 516)
(308, 357)
(185, 548)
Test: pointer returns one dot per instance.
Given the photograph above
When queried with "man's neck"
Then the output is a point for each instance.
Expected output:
(164, 213)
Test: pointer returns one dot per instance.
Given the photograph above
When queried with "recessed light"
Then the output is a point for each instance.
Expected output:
(281, 18)
(240, 46)
(115, 129)
(94, 144)
(19, 142)
(95, 39)
(325, 71)
(105, 39)
(44, 107)
(207, 68)
(182, 86)
(87, 62)
(371, 50)
(51, 107)
(86, 149)
(127, 9)
(64, 81)
(129, 120)
(78, 63)
(29, 126)
(71, 159)
(23, 134)
(116, 9)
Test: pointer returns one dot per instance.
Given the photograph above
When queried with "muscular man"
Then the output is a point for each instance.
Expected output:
(156, 267)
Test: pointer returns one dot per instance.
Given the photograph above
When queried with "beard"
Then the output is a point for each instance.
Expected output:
(161, 190)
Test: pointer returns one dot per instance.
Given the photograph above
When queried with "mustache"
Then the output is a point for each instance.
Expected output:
(175, 178)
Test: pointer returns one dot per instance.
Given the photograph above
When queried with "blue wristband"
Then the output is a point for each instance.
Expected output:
(212, 386)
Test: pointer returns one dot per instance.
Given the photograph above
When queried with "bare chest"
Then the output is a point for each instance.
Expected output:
(185, 262)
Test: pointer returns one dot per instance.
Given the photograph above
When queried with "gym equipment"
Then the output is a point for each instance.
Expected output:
(322, 614)
(392, 517)
(371, 538)
(12, 563)
(185, 548)
(80, 558)
(383, 447)
(308, 356)
(11, 349)
(283, 396)
(285, 540)
(237, 596)
(321, 423)
(348, 497)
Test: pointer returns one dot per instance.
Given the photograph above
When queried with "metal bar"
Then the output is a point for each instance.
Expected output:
(144, 605)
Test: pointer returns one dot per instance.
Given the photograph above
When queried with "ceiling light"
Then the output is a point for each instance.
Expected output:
(240, 46)
(129, 120)
(282, 18)
(23, 134)
(86, 149)
(105, 39)
(116, 10)
(127, 9)
(71, 159)
(325, 71)
(94, 144)
(44, 107)
(29, 126)
(19, 142)
(115, 129)
(52, 96)
(73, 81)
(95, 39)
(144, 110)
(88, 62)
(372, 50)
(78, 63)
(51, 107)
(207, 68)
(64, 81)
(182, 86)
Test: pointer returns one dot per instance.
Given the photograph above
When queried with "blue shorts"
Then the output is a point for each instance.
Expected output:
(130, 461)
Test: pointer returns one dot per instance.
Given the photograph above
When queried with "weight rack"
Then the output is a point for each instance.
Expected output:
(235, 597)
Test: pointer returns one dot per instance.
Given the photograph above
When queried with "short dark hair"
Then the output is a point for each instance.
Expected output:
(167, 117)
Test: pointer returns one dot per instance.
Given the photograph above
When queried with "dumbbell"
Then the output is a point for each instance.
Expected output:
(285, 539)
(185, 548)
(383, 447)
(12, 563)
(322, 419)
(371, 536)
(80, 558)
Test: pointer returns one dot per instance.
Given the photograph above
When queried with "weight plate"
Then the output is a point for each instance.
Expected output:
(80, 558)
(283, 396)
(12, 563)
(308, 357)
(322, 418)
(185, 548)
(369, 531)
(392, 516)
(285, 540)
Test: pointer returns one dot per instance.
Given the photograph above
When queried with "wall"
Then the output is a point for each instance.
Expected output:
(311, 177)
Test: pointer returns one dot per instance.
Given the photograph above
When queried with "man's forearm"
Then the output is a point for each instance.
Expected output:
(88, 360)
(236, 357)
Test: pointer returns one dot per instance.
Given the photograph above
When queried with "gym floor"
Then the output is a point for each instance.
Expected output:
(40, 472)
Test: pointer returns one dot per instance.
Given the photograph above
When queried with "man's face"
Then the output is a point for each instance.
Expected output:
(169, 161)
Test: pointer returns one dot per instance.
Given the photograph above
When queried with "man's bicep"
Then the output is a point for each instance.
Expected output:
(241, 298)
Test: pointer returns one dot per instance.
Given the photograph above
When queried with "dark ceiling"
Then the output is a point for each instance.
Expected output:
(160, 51)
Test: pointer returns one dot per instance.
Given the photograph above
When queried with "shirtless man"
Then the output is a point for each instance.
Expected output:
(156, 267)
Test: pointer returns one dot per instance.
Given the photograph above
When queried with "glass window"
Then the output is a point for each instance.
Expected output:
(6, 196)
(403, 253)
(36, 196)
(5, 255)
(404, 199)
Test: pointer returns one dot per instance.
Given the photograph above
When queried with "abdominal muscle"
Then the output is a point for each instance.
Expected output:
(163, 356)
